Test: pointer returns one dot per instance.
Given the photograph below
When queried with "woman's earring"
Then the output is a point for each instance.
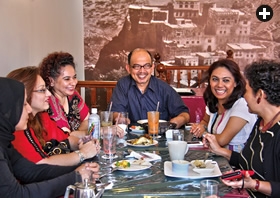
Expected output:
(258, 100)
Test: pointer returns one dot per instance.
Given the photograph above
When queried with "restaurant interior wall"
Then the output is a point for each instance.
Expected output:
(30, 29)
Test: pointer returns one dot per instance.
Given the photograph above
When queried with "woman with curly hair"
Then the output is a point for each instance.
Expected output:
(227, 114)
(67, 107)
(262, 150)
(42, 141)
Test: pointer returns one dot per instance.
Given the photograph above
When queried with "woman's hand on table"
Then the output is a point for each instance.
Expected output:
(210, 141)
(89, 149)
(197, 130)
(92, 167)
(248, 182)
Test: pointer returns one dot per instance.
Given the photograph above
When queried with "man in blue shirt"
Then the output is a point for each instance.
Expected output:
(140, 92)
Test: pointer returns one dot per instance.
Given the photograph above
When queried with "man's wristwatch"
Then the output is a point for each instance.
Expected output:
(81, 155)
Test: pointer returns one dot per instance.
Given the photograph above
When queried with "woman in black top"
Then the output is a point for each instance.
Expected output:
(20, 177)
(262, 150)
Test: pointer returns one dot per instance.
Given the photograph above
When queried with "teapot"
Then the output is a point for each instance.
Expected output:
(83, 190)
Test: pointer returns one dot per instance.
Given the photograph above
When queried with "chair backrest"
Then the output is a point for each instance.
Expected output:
(93, 85)
(165, 72)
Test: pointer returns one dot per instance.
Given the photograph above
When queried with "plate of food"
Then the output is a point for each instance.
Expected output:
(137, 129)
(131, 165)
(146, 121)
(191, 174)
(144, 141)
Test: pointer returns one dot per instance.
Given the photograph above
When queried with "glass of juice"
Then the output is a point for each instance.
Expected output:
(153, 123)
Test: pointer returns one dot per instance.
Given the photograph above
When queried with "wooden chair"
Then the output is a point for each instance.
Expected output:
(93, 86)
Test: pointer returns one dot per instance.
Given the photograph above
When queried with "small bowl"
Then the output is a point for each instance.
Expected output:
(210, 165)
(180, 166)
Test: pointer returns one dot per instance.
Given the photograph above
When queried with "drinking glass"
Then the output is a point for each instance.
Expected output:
(209, 188)
(153, 123)
(122, 120)
(106, 118)
(178, 134)
(109, 142)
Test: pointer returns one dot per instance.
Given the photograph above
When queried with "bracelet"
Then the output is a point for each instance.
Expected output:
(205, 127)
(257, 185)
(81, 155)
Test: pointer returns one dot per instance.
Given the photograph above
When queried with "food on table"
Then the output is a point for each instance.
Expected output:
(199, 164)
(143, 140)
(123, 164)
(137, 127)
(141, 162)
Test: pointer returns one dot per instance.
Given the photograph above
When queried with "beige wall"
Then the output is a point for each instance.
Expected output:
(30, 29)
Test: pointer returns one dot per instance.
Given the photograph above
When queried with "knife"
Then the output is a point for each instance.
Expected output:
(145, 155)
(140, 153)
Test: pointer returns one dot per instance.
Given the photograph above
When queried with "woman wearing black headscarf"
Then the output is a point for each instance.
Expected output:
(35, 180)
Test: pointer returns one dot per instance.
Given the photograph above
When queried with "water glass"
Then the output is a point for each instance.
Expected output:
(109, 142)
(209, 188)
(122, 120)
(178, 134)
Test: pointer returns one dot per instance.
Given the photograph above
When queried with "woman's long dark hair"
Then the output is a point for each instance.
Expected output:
(209, 98)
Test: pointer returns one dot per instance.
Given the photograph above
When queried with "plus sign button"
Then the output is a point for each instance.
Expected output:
(264, 13)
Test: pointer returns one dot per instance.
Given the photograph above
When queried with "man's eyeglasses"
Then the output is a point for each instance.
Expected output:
(138, 67)
(41, 90)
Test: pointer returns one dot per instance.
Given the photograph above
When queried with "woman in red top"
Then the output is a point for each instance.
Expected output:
(42, 132)
(67, 108)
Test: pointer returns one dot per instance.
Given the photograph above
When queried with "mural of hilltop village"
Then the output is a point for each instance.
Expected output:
(183, 32)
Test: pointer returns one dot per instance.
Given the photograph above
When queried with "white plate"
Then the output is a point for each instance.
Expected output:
(154, 143)
(137, 131)
(146, 121)
(191, 174)
(134, 167)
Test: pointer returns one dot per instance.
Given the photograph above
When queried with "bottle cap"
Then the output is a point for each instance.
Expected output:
(94, 110)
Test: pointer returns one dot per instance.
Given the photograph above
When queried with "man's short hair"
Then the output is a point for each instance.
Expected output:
(130, 54)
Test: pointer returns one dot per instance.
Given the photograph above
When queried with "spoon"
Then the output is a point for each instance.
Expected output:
(206, 156)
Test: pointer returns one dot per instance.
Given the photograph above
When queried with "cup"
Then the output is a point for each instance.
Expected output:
(177, 150)
(153, 123)
(209, 188)
(122, 120)
(109, 142)
(178, 134)
(106, 118)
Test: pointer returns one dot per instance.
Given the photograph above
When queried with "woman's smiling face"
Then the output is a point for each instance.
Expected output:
(222, 84)
(40, 96)
(65, 83)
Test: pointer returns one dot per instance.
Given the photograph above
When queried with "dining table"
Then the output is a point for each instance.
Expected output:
(152, 181)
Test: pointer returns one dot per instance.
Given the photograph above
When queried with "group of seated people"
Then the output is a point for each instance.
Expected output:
(43, 120)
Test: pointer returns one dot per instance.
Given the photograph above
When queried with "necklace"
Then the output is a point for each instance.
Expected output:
(263, 128)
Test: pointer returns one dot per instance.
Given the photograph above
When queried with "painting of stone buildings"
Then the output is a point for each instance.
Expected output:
(183, 32)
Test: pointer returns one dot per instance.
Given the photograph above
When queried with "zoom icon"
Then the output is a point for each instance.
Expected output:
(264, 13)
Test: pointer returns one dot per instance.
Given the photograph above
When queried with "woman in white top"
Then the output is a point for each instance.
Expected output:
(227, 114)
